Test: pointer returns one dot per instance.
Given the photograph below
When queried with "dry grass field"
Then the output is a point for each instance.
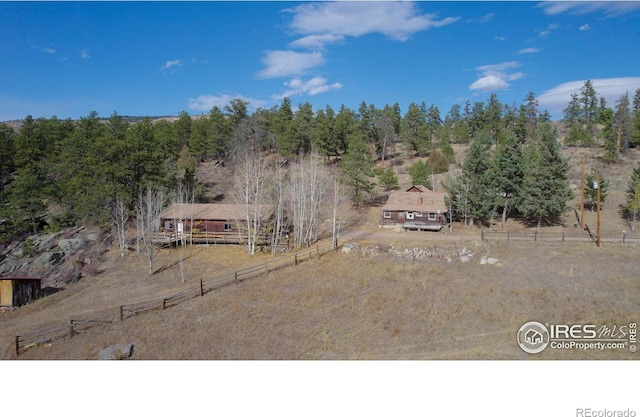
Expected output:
(366, 304)
(358, 305)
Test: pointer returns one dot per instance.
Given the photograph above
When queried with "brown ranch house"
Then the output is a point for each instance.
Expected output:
(207, 223)
(418, 208)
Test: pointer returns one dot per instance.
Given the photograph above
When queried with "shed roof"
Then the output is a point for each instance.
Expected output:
(429, 201)
(203, 211)
(20, 278)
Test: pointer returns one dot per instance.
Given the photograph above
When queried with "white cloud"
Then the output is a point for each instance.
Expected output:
(289, 63)
(609, 8)
(316, 41)
(397, 20)
(499, 38)
(172, 63)
(315, 85)
(84, 54)
(557, 98)
(528, 51)
(584, 27)
(206, 102)
(543, 33)
(49, 50)
(496, 77)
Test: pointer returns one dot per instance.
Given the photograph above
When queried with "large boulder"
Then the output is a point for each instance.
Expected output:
(116, 352)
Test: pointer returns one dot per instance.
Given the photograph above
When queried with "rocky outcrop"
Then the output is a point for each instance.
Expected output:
(58, 258)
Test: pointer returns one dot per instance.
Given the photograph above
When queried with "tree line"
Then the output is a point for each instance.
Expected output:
(61, 173)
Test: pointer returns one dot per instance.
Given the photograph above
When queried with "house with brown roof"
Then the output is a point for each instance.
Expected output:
(418, 208)
(204, 223)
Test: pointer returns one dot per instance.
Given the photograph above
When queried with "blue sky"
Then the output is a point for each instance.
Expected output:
(67, 59)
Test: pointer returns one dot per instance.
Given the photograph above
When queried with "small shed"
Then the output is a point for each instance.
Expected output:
(18, 291)
(418, 208)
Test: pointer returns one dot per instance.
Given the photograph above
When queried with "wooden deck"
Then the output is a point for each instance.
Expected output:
(169, 239)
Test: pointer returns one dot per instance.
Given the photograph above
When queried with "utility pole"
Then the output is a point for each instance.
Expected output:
(598, 209)
(582, 198)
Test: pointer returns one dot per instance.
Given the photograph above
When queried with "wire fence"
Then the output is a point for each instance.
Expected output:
(554, 237)
(46, 336)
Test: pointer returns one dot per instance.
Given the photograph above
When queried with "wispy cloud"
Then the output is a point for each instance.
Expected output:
(206, 102)
(528, 51)
(50, 51)
(289, 63)
(315, 85)
(84, 54)
(316, 41)
(171, 64)
(499, 38)
(557, 98)
(584, 27)
(496, 77)
(543, 33)
(608, 8)
(396, 20)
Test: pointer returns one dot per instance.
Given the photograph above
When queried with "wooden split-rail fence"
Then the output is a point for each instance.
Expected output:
(71, 328)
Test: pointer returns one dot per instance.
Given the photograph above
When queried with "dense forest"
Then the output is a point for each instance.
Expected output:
(59, 173)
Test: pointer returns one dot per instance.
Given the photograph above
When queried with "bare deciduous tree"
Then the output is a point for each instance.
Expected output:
(250, 191)
(150, 204)
(120, 217)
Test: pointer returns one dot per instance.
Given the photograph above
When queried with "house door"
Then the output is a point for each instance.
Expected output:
(6, 293)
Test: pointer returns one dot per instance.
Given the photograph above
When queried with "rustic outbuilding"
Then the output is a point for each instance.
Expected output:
(18, 291)
(418, 208)
(201, 223)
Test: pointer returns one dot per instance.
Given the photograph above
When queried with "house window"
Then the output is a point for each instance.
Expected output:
(168, 225)
(410, 215)
(432, 216)
(386, 214)
(418, 214)
(227, 227)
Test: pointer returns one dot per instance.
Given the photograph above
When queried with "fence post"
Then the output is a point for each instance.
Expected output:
(121, 311)
(164, 303)
(508, 235)
(563, 235)
(481, 234)
(295, 259)
(235, 277)
(17, 345)
(201, 288)
(535, 236)
(71, 331)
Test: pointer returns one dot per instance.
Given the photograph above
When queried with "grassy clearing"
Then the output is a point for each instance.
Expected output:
(354, 306)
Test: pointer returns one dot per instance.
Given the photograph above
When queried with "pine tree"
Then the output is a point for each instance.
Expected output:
(388, 179)
(545, 187)
(633, 196)
(414, 131)
(475, 173)
(420, 174)
(506, 173)
(357, 165)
